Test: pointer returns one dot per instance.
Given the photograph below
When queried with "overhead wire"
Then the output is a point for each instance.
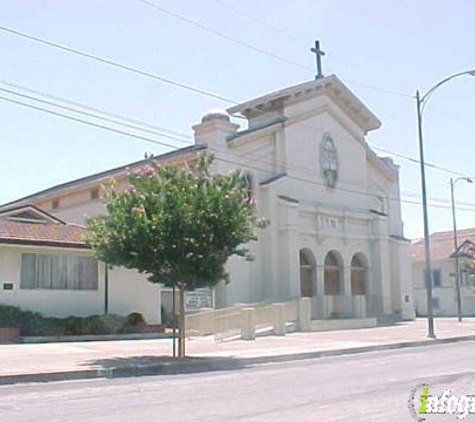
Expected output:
(148, 74)
(220, 158)
(155, 5)
(116, 64)
(184, 139)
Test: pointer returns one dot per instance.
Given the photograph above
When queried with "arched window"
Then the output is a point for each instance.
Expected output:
(333, 270)
(359, 273)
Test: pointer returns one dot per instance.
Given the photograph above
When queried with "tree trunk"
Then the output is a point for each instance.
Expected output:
(174, 319)
(182, 321)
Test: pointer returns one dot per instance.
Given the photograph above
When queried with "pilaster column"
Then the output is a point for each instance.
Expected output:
(346, 281)
(320, 299)
(347, 304)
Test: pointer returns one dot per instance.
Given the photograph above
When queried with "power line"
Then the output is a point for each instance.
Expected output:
(116, 64)
(261, 22)
(188, 141)
(416, 161)
(94, 109)
(300, 41)
(85, 113)
(397, 154)
(65, 116)
(220, 34)
(254, 48)
(153, 141)
(143, 73)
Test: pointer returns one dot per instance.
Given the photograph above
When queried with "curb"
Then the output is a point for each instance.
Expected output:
(352, 350)
(208, 364)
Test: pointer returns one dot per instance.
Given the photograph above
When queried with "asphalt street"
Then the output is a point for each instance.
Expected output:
(363, 387)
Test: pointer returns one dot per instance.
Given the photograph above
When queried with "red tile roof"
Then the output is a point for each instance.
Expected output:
(48, 234)
(441, 244)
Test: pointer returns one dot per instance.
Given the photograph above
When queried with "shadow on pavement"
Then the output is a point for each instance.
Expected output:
(156, 365)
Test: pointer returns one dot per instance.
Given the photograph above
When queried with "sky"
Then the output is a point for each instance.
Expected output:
(382, 50)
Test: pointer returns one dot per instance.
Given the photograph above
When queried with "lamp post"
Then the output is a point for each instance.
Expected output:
(421, 102)
(457, 271)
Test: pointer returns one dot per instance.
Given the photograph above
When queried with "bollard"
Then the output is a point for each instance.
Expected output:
(248, 326)
(305, 313)
(279, 319)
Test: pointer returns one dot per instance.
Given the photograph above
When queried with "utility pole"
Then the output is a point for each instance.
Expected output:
(428, 270)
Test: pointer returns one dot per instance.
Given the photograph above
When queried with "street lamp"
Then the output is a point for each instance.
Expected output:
(421, 101)
(457, 272)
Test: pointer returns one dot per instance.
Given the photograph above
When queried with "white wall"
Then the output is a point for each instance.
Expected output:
(446, 295)
(128, 291)
(324, 219)
(57, 303)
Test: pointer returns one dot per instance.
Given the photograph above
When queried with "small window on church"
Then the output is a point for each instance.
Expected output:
(95, 193)
(329, 161)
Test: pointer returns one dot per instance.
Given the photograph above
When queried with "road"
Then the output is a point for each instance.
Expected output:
(364, 387)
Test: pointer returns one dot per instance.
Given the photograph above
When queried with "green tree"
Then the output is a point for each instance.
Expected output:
(178, 226)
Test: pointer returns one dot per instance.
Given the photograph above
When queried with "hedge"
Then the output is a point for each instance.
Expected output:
(35, 324)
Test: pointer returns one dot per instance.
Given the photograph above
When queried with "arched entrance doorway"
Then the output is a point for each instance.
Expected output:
(359, 272)
(307, 273)
(333, 270)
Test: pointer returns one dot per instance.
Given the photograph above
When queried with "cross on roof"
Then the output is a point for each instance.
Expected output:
(318, 55)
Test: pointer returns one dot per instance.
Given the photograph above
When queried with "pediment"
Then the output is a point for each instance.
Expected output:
(29, 214)
(330, 85)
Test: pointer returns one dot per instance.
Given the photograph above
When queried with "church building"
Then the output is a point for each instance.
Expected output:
(335, 231)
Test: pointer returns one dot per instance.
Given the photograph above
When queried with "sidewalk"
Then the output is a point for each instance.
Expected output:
(59, 361)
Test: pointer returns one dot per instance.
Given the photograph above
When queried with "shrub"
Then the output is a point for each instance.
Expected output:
(10, 316)
(35, 324)
(134, 323)
(105, 324)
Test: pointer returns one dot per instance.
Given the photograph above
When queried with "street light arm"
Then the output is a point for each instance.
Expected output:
(467, 179)
(426, 96)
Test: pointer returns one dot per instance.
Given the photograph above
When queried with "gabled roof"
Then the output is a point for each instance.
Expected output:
(98, 177)
(329, 84)
(30, 214)
(30, 225)
(441, 244)
(60, 235)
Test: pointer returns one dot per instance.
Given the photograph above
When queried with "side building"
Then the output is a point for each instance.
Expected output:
(45, 265)
(444, 292)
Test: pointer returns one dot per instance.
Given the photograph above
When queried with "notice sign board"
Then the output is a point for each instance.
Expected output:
(199, 298)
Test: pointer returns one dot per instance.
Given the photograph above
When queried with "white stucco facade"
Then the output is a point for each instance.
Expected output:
(361, 215)
(127, 291)
(444, 291)
(341, 243)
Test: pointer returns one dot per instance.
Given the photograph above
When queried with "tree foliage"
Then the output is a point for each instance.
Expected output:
(178, 226)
